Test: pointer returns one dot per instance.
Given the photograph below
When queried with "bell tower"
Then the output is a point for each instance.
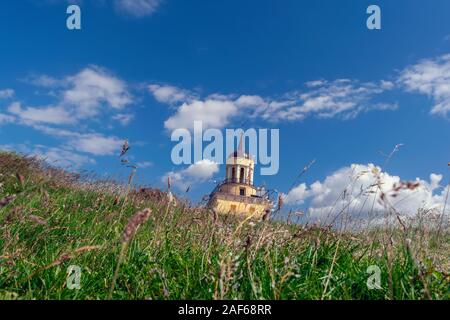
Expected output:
(240, 166)
(237, 193)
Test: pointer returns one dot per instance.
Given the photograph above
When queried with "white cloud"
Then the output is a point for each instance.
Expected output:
(144, 164)
(90, 93)
(246, 101)
(343, 97)
(55, 156)
(93, 143)
(92, 88)
(315, 83)
(96, 144)
(135, 8)
(45, 81)
(202, 170)
(123, 118)
(196, 173)
(387, 85)
(430, 77)
(138, 8)
(5, 118)
(6, 93)
(82, 96)
(170, 94)
(62, 158)
(51, 115)
(297, 195)
(212, 113)
(354, 191)
(215, 111)
(54, 132)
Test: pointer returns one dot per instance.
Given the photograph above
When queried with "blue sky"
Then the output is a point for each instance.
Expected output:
(338, 92)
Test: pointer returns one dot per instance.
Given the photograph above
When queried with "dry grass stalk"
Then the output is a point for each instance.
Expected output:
(20, 178)
(64, 257)
(5, 201)
(331, 270)
(129, 232)
(37, 220)
(134, 223)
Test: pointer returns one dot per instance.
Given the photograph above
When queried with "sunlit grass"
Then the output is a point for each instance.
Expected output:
(184, 253)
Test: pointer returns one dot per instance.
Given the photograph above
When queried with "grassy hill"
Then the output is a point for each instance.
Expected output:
(51, 220)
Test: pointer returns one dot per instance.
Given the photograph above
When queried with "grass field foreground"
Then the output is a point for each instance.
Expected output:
(51, 220)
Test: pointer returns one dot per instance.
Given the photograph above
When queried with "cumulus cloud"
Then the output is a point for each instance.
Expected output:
(170, 94)
(89, 93)
(246, 101)
(92, 88)
(85, 95)
(212, 113)
(80, 99)
(196, 173)
(432, 78)
(138, 8)
(343, 98)
(355, 191)
(215, 111)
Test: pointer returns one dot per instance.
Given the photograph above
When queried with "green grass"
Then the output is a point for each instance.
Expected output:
(182, 253)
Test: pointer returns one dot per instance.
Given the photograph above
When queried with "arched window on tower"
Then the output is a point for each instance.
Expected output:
(233, 174)
(242, 176)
